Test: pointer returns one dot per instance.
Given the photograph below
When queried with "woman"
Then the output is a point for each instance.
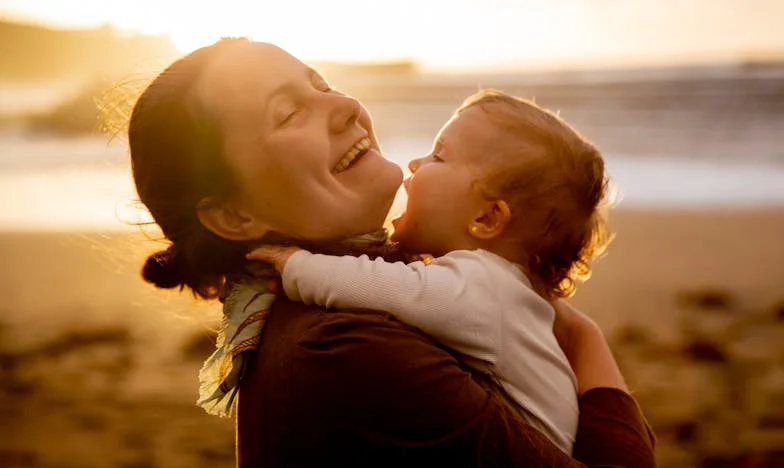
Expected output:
(240, 143)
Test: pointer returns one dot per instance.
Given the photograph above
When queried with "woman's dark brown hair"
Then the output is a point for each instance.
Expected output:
(177, 159)
(176, 155)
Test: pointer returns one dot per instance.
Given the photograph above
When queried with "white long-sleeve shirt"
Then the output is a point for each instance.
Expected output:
(475, 302)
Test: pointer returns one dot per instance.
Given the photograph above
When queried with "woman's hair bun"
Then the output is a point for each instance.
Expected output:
(162, 269)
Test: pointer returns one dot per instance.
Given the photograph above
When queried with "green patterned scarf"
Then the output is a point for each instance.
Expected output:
(246, 304)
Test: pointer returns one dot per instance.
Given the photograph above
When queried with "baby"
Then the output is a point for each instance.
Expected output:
(508, 204)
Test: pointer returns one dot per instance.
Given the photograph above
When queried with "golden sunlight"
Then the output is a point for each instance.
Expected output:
(307, 35)
(435, 32)
(340, 30)
(444, 33)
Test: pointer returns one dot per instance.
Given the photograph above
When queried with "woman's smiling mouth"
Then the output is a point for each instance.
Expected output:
(355, 152)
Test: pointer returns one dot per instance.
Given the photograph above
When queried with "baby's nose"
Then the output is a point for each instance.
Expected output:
(414, 164)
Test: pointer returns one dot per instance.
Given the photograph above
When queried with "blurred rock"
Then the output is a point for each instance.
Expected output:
(631, 335)
(704, 351)
(708, 299)
(759, 342)
(73, 387)
(200, 346)
(716, 398)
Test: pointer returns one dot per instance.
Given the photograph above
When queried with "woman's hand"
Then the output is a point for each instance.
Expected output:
(569, 322)
(277, 255)
(587, 350)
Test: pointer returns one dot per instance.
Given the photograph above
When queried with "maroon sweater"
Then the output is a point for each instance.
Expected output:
(359, 388)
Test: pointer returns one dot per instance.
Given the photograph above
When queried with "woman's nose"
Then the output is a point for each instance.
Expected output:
(414, 164)
(345, 112)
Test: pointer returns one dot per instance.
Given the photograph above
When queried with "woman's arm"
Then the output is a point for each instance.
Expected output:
(391, 385)
(612, 430)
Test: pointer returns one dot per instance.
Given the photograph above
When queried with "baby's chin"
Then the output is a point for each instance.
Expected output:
(404, 242)
(396, 237)
(408, 239)
(399, 238)
(397, 227)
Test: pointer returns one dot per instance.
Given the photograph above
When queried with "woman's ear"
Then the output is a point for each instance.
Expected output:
(491, 220)
(228, 221)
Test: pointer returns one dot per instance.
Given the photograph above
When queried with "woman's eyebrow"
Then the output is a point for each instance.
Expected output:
(285, 88)
(290, 87)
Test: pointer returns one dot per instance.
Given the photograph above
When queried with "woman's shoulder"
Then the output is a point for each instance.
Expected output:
(293, 328)
(326, 347)
(367, 363)
(361, 362)
(307, 346)
(305, 326)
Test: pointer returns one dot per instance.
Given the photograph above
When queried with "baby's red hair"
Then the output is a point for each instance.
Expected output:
(554, 182)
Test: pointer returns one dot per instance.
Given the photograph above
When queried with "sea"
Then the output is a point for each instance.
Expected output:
(84, 183)
(676, 141)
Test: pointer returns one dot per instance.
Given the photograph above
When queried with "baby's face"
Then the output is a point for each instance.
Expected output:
(442, 198)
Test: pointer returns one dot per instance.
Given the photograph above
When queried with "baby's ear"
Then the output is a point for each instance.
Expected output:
(491, 221)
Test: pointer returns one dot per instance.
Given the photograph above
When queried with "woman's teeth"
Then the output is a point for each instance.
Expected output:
(359, 147)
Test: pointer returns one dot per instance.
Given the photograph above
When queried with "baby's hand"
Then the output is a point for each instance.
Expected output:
(278, 255)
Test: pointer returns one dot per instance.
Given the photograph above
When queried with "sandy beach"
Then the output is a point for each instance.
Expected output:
(98, 369)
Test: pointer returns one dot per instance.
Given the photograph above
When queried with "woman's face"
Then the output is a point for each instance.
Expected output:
(306, 159)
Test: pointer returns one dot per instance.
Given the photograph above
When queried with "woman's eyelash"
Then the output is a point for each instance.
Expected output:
(288, 117)
(322, 86)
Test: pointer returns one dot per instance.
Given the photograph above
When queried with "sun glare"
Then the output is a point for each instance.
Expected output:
(337, 30)
(439, 33)
(347, 34)
(436, 33)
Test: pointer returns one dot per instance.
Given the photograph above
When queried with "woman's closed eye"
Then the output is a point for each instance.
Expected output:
(291, 112)
(288, 116)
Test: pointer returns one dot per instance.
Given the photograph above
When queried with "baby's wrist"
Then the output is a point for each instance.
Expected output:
(286, 258)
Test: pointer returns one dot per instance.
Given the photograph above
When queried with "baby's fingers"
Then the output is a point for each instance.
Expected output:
(275, 254)
(265, 253)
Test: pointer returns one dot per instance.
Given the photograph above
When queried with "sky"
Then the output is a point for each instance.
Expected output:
(449, 33)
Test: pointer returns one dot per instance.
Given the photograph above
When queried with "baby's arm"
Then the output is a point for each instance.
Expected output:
(451, 298)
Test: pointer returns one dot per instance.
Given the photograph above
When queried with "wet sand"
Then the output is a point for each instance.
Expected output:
(97, 369)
